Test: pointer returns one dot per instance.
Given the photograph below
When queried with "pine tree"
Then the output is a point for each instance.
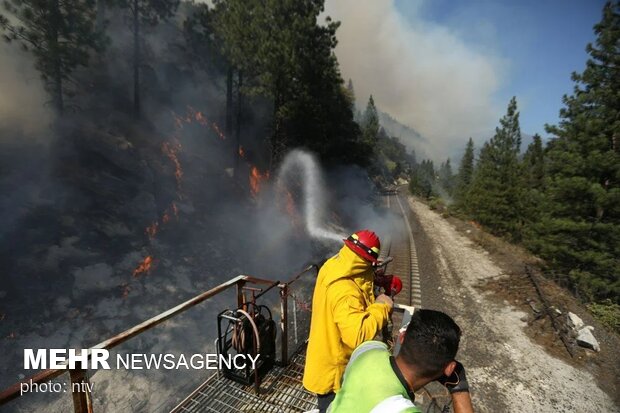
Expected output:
(446, 179)
(288, 57)
(144, 12)
(534, 164)
(464, 177)
(423, 179)
(496, 190)
(357, 114)
(351, 95)
(206, 51)
(60, 34)
(370, 124)
(204, 47)
(533, 177)
(579, 233)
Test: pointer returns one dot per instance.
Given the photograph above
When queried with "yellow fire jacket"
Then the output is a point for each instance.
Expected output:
(344, 315)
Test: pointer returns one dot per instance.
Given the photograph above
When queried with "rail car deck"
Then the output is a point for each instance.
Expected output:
(281, 390)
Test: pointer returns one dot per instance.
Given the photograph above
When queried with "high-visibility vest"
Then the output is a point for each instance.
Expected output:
(370, 384)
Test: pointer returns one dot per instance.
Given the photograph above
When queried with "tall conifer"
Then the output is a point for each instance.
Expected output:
(60, 34)
(494, 198)
(464, 176)
(579, 233)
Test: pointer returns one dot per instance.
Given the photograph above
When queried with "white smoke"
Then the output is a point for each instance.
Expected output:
(419, 72)
(313, 192)
(22, 97)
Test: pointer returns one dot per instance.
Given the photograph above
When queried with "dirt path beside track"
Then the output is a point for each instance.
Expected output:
(507, 371)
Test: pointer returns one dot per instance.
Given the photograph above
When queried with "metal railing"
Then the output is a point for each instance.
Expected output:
(82, 400)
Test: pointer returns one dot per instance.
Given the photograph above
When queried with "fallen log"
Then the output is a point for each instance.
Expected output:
(548, 310)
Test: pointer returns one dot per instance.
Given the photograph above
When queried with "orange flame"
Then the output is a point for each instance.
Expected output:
(256, 179)
(290, 204)
(291, 210)
(241, 151)
(126, 290)
(152, 229)
(218, 131)
(165, 218)
(171, 150)
(203, 121)
(178, 121)
(144, 267)
(199, 117)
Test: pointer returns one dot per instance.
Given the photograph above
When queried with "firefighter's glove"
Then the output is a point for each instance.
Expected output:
(457, 382)
(382, 298)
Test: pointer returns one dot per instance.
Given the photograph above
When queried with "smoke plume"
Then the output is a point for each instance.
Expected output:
(22, 100)
(419, 72)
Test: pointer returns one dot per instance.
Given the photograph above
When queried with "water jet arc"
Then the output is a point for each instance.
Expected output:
(312, 188)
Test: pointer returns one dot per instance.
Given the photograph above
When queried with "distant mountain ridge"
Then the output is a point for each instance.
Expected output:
(407, 135)
(412, 139)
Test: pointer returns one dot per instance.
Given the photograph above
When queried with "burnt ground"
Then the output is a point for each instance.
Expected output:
(515, 359)
(77, 234)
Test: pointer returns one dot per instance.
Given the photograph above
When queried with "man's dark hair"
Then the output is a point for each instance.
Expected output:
(431, 341)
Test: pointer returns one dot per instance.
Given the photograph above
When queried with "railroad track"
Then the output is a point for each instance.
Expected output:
(402, 247)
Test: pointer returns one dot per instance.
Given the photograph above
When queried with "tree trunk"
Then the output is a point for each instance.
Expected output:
(275, 134)
(278, 142)
(229, 101)
(136, 59)
(228, 127)
(55, 52)
(58, 98)
(239, 118)
(100, 22)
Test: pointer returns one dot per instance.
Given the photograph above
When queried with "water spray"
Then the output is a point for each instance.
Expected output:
(312, 192)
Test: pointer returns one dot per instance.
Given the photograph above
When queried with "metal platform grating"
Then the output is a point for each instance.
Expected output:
(281, 392)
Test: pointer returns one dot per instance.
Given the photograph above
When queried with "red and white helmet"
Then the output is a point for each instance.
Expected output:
(365, 244)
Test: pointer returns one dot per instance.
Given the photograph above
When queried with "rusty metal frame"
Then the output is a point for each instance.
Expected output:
(82, 401)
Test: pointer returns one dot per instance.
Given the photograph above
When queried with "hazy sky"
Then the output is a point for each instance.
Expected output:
(448, 68)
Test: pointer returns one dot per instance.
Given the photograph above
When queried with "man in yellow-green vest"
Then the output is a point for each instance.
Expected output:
(376, 382)
(344, 314)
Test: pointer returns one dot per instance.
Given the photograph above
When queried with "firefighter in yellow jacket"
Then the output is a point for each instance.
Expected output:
(344, 314)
